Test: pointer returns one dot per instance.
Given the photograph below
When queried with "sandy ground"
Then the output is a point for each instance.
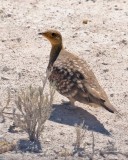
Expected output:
(102, 42)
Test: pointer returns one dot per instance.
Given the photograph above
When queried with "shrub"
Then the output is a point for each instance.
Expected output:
(34, 108)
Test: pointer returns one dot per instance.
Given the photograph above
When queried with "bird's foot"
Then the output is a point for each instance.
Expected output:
(66, 102)
(69, 105)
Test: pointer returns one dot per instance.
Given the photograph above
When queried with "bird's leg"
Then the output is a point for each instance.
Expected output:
(70, 103)
(66, 102)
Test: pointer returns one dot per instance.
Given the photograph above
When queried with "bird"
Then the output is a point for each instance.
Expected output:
(72, 76)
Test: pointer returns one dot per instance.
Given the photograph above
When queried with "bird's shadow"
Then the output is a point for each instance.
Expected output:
(77, 116)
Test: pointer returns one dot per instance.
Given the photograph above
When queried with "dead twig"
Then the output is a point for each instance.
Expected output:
(93, 146)
(4, 106)
(34, 107)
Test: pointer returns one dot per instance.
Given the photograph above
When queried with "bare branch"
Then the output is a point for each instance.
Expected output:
(35, 108)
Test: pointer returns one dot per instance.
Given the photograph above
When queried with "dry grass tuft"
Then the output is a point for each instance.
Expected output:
(35, 108)
(3, 107)
(65, 153)
(80, 135)
(80, 143)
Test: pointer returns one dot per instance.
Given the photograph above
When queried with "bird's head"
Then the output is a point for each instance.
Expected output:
(53, 36)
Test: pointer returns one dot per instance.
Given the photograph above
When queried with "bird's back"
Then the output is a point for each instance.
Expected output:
(70, 68)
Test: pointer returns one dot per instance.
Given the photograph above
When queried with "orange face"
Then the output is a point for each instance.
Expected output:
(53, 36)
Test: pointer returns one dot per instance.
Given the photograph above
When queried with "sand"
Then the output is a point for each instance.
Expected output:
(102, 42)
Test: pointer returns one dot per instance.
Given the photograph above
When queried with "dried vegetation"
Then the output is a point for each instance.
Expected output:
(34, 108)
(4, 107)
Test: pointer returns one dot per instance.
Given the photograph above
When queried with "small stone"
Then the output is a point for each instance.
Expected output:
(88, 143)
(3, 40)
(12, 128)
(19, 74)
(61, 133)
(124, 42)
(4, 78)
(85, 21)
(74, 36)
(106, 70)
(126, 69)
(125, 95)
(111, 95)
(116, 9)
(9, 15)
(105, 63)
(18, 39)
(5, 69)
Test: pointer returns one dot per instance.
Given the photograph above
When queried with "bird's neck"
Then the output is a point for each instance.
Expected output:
(55, 50)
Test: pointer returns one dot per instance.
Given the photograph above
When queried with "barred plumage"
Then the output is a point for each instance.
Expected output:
(72, 76)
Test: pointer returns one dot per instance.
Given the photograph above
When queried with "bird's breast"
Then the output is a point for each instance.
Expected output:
(63, 79)
(67, 81)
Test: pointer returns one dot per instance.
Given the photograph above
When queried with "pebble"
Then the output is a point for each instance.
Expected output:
(4, 78)
(85, 21)
(5, 69)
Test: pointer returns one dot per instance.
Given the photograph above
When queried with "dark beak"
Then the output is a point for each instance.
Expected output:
(42, 33)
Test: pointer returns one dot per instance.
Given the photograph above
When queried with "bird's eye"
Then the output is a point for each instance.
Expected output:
(53, 34)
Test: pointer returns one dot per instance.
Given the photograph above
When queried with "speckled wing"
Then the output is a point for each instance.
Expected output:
(83, 74)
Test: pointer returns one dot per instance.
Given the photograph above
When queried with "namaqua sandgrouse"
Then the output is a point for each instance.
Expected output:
(72, 76)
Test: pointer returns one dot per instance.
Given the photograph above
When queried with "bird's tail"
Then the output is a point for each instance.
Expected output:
(108, 106)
